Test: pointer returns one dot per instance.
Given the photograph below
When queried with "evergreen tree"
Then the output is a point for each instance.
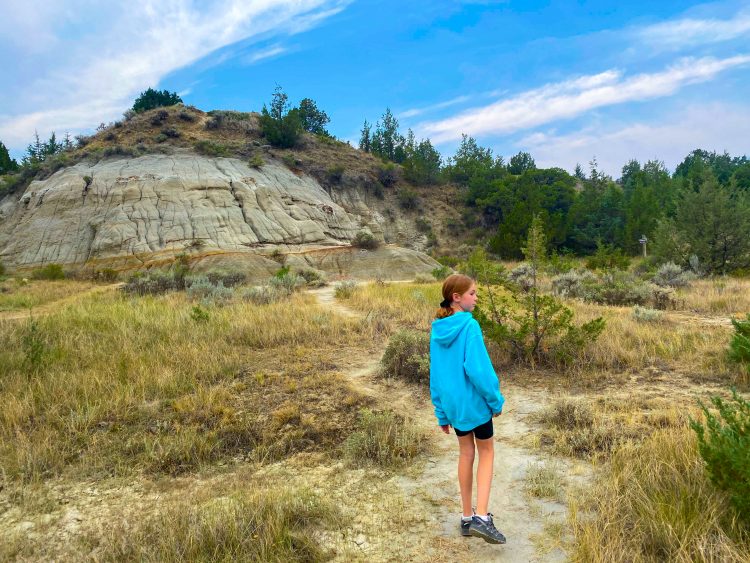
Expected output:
(365, 139)
(35, 152)
(314, 120)
(422, 162)
(386, 141)
(281, 125)
(473, 162)
(520, 163)
(715, 223)
(7, 164)
(150, 99)
(579, 173)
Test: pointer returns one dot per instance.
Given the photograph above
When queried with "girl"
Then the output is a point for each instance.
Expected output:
(466, 394)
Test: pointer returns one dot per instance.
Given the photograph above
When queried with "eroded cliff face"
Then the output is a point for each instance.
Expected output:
(137, 211)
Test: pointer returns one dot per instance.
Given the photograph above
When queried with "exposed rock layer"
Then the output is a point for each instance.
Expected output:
(140, 211)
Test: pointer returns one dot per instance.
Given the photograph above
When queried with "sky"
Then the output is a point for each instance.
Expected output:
(567, 81)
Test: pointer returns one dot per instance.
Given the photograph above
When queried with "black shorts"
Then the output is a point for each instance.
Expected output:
(481, 432)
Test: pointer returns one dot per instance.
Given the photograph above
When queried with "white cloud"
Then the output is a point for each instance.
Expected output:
(574, 97)
(442, 105)
(267, 53)
(100, 72)
(715, 126)
(685, 32)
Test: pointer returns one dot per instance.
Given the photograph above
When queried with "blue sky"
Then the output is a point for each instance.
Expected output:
(566, 81)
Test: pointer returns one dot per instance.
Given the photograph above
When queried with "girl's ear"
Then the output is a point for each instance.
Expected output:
(456, 297)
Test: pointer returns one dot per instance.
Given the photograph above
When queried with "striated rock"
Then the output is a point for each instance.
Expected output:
(135, 212)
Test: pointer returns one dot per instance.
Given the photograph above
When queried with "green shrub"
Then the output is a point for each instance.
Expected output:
(199, 314)
(150, 99)
(49, 272)
(523, 276)
(364, 239)
(2, 269)
(264, 295)
(171, 132)
(159, 117)
(186, 116)
(408, 198)
(388, 174)
(671, 275)
(645, 315)
(281, 125)
(447, 260)
(34, 347)
(211, 148)
(607, 257)
(200, 287)
(739, 346)
(385, 439)
(536, 327)
(313, 278)
(152, 283)
(256, 161)
(559, 263)
(286, 282)
(724, 444)
(335, 173)
(441, 273)
(229, 279)
(423, 225)
(291, 161)
(407, 356)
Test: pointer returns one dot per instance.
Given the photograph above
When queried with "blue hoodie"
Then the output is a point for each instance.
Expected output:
(463, 384)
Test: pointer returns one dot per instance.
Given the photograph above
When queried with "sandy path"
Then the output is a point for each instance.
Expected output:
(434, 493)
(52, 306)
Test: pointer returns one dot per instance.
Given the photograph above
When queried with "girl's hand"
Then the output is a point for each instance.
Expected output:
(446, 429)
(497, 414)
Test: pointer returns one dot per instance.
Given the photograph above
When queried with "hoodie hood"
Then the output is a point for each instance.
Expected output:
(445, 331)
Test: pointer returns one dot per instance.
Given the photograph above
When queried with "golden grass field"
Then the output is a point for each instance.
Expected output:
(227, 437)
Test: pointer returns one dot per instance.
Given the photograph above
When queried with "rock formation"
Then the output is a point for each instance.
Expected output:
(135, 212)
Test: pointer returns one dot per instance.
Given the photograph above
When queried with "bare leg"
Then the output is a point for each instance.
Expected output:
(486, 449)
(466, 471)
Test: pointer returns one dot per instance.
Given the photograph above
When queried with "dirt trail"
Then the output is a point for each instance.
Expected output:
(53, 306)
(434, 493)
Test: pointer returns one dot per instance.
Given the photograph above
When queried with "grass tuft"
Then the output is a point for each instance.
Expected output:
(262, 525)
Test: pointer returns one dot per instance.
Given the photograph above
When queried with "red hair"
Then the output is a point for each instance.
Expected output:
(456, 283)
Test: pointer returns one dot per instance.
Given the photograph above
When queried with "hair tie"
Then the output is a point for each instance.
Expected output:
(445, 303)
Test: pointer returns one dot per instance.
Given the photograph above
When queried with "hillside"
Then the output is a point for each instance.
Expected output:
(176, 179)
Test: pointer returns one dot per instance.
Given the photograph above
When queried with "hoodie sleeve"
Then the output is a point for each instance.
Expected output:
(479, 369)
(439, 413)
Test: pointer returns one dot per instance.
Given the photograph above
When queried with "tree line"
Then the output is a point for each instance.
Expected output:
(701, 212)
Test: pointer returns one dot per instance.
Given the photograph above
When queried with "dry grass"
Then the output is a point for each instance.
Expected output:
(627, 343)
(259, 525)
(594, 429)
(124, 384)
(655, 503)
(385, 439)
(544, 481)
(408, 304)
(722, 296)
(15, 294)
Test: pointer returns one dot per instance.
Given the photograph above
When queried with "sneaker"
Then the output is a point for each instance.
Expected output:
(485, 529)
(465, 528)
